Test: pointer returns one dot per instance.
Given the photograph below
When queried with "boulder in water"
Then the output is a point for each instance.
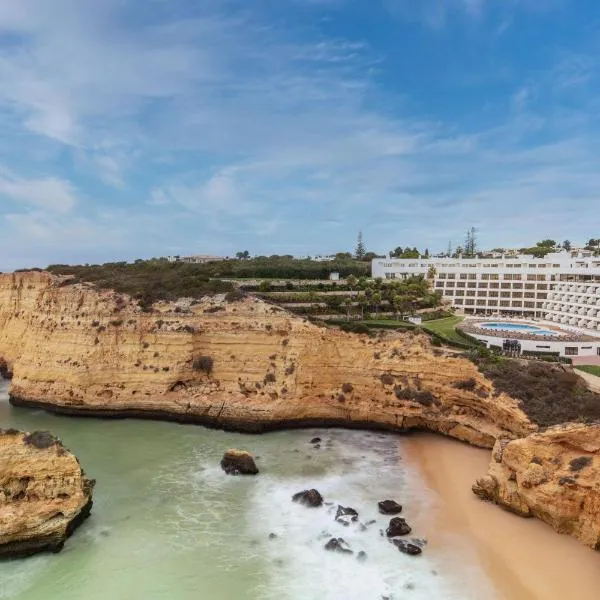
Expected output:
(361, 556)
(238, 462)
(338, 545)
(398, 526)
(407, 547)
(389, 507)
(346, 515)
(308, 498)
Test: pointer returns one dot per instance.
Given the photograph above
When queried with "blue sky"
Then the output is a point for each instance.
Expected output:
(137, 129)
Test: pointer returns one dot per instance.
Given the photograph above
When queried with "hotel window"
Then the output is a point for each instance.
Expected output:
(451, 276)
(517, 286)
(517, 304)
(517, 294)
(542, 296)
(540, 304)
(482, 285)
(529, 304)
(505, 294)
(470, 302)
(541, 278)
(485, 276)
(542, 286)
(482, 294)
(460, 292)
(492, 302)
(532, 266)
(470, 292)
(505, 286)
(530, 286)
(529, 294)
(571, 351)
(531, 277)
(472, 284)
(556, 266)
(460, 284)
(472, 275)
(441, 275)
(439, 284)
(458, 301)
(494, 286)
(504, 303)
(493, 294)
(463, 276)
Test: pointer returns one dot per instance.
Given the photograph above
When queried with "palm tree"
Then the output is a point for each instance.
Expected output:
(431, 272)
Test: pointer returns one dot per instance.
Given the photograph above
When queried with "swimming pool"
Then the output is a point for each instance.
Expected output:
(518, 328)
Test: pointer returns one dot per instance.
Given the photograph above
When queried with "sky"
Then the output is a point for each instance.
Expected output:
(159, 127)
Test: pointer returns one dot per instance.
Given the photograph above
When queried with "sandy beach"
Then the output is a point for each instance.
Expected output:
(524, 558)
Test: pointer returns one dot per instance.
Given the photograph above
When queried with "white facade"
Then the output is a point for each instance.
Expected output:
(563, 287)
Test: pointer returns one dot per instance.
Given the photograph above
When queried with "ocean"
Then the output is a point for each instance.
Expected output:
(167, 522)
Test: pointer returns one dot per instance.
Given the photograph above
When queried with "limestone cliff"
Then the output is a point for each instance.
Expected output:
(554, 476)
(243, 365)
(44, 494)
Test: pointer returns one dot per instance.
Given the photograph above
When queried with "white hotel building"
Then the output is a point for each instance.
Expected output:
(562, 287)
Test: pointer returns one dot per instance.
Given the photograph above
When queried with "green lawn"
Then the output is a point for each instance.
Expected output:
(388, 322)
(446, 328)
(591, 369)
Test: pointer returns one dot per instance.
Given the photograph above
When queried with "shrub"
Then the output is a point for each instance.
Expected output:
(355, 328)
(425, 398)
(270, 378)
(347, 388)
(466, 384)
(387, 379)
(580, 462)
(235, 296)
(204, 364)
(402, 393)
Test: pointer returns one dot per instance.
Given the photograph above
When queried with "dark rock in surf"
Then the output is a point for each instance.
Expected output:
(361, 556)
(310, 498)
(315, 440)
(346, 515)
(238, 462)
(338, 545)
(398, 526)
(389, 507)
(407, 547)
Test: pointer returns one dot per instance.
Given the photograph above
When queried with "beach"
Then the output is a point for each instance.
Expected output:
(525, 558)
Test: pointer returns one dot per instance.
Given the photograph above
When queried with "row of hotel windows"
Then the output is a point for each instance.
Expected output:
(473, 293)
(472, 266)
(491, 286)
(501, 303)
(492, 276)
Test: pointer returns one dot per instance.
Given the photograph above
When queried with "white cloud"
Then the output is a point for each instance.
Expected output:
(50, 193)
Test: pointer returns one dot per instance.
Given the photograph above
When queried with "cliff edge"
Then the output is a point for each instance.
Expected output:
(554, 476)
(241, 364)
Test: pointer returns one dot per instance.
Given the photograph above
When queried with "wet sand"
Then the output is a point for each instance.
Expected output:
(524, 558)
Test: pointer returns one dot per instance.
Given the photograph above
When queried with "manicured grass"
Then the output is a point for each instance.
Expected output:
(591, 369)
(446, 328)
(388, 323)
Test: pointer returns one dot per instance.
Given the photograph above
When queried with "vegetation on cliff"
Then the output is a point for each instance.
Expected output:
(549, 394)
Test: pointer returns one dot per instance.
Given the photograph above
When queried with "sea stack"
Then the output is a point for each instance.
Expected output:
(238, 462)
(44, 494)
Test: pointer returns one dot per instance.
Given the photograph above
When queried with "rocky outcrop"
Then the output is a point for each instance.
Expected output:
(243, 365)
(310, 498)
(554, 476)
(389, 507)
(44, 494)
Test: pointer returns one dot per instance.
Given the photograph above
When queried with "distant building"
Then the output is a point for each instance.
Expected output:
(334, 276)
(563, 287)
(196, 259)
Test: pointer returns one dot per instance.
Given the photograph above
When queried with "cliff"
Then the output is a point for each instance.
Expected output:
(554, 476)
(44, 494)
(243, 365)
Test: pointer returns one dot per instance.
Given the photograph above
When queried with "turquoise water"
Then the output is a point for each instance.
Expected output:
(517, 328)
(168, 524)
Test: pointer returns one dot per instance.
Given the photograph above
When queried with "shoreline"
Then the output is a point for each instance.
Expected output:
(525, 559)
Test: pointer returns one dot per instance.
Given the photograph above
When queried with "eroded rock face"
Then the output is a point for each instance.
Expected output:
(44, 494)
(77, 350)
(238, 462)
(554, 476)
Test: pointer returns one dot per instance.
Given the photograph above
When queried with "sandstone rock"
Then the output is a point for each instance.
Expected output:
(346, 515)
(397, 526)
(140, 364)
(45, 494)
(534, 478)
(238, 462)
(338, 545)
(310, 498)
(389, 507)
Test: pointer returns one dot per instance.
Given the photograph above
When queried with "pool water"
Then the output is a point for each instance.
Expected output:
(518, 328)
